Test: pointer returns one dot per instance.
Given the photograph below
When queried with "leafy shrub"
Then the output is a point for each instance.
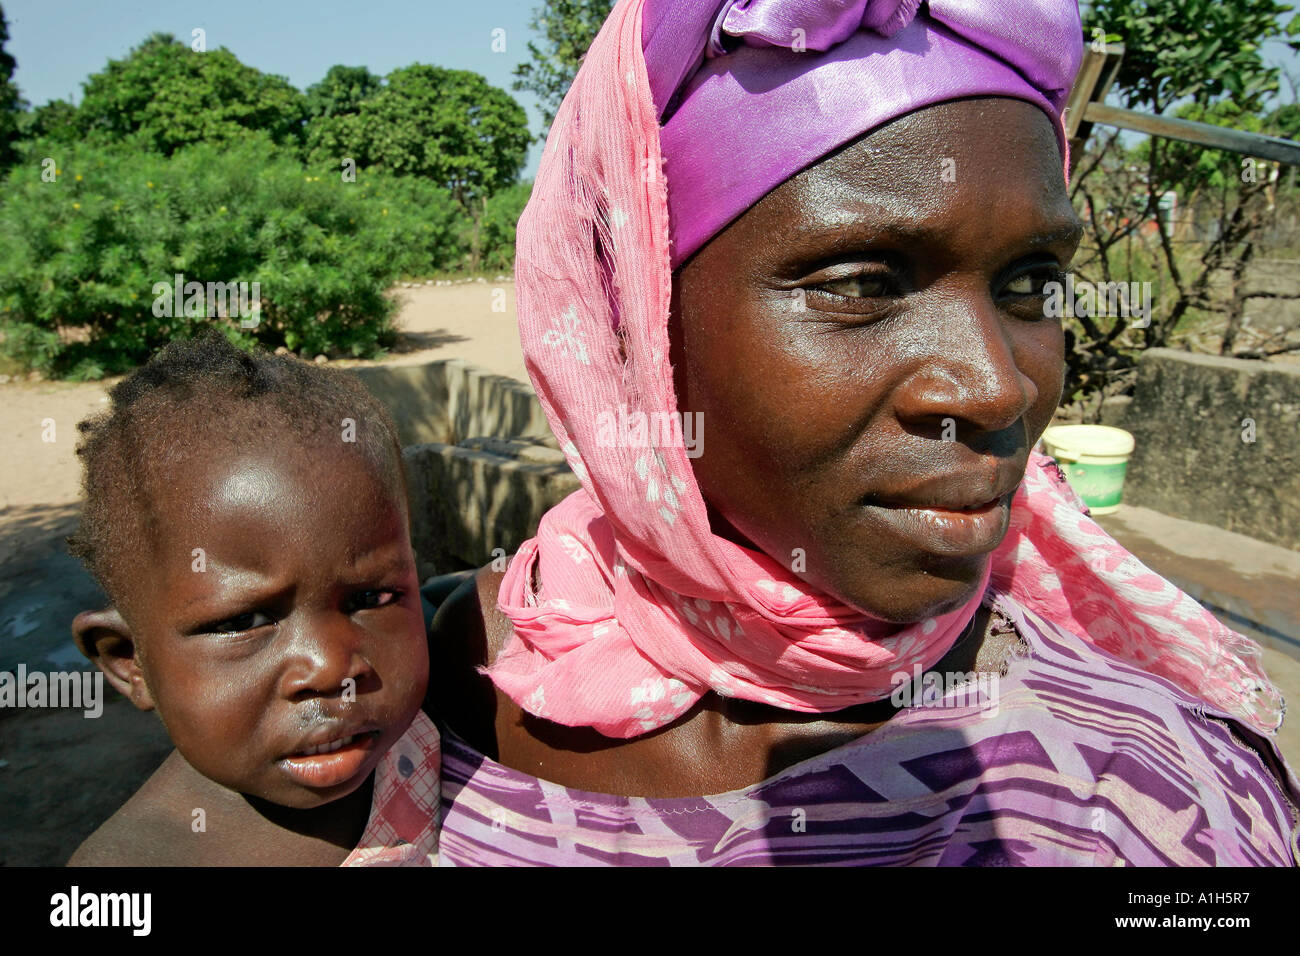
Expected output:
(88, 249)
(499, 221)
(428, 224)
(31, 346)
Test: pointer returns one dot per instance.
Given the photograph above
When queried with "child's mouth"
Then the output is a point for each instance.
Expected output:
(326, 748)
(331, 762)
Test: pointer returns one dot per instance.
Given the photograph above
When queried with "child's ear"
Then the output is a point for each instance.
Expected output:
(105, 638)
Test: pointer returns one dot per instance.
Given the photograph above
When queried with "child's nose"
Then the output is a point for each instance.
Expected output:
(326, 657)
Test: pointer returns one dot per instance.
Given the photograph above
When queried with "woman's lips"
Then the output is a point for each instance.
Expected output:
(948, 531)
(332, 762)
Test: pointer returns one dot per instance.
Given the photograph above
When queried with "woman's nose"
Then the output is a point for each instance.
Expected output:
(966, 370)
(325, 657)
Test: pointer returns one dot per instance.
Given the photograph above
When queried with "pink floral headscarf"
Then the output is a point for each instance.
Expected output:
(626, 608)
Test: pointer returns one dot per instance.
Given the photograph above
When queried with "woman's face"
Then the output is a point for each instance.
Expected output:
(869, 340)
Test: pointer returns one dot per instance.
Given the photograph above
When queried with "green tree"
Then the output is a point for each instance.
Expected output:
(1199, 60)
(56, 121)
(343, 90)
(1287, 120)
(448, 126)
(332, 106)
(164, 96)
(10, 102)
(1197, 49)
(567, 28)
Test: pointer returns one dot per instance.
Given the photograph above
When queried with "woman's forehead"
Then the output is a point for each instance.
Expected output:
(989, 129)
(929, 164)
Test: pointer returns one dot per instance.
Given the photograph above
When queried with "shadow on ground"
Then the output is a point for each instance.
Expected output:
(420, 341)
(66, 774)
(61, 773)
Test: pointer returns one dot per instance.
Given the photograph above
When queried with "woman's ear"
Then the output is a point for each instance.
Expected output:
(105, 638)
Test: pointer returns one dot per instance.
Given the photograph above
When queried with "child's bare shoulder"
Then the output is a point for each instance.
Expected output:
(180, 818)
(127, 838)
(147, 830)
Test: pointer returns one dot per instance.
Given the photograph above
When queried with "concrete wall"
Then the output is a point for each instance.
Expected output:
(450, 400)
(482, 466)
(1191, 460)
(471, 504)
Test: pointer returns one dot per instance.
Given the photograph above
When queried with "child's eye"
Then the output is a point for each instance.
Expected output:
(364, 600)
(239, 623)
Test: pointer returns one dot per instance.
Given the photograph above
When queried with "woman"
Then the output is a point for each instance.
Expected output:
(822, 230)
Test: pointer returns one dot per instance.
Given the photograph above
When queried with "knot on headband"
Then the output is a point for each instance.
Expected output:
(804, 24)
(750, 92)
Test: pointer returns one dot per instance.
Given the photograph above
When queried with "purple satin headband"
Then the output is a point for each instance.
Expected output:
(750, 92)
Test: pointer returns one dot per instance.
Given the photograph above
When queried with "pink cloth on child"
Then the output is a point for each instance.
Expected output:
(403, 825)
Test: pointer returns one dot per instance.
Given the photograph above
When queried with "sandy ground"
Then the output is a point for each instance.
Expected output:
(436, 322)
(60, 778)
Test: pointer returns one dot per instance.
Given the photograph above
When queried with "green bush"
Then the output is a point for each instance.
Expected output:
(87, 250)
(429, 221)
(499, 221)
(31, 346)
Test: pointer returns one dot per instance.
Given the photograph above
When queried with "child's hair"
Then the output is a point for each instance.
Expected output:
(192, 395)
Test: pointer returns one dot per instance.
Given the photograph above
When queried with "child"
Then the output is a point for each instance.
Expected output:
(247, 517)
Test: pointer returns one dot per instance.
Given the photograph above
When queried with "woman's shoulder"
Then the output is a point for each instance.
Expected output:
(466, 615)
(1089, 662)
(1113, 710)
(467, 632)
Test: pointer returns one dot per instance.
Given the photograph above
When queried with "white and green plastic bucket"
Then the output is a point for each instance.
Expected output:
(1094, 459)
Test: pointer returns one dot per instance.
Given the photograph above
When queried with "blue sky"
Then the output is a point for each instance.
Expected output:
(58, 43)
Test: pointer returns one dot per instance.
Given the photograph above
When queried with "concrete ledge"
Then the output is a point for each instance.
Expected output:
(534, 451)
(450, 400)
(1191, 460)
(482, 465)
(469, 505)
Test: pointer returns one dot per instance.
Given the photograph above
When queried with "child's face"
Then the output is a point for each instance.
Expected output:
(298, 625)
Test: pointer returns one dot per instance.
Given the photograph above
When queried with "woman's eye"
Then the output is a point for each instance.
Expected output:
(1032, 283)
(365, 600)
(240, 623)
(858, 287)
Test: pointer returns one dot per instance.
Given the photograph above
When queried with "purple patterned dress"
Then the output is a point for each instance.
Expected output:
(1070, 758)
